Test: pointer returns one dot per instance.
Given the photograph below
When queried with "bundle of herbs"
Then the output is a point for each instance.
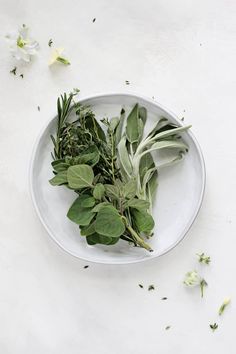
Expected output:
(111, 169)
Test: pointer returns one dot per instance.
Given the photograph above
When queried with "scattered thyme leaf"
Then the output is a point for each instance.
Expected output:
(214, 326)
(203, 284)
(182, 119)
(141, 286)
(50, 42)
(38, 108)
(202, 258)
(86, 266)
(127, 82)
(223, 306)
(22, 76)
(167, 327)
(151, 287)
(164, 298)
(94, 19)
(13, 71)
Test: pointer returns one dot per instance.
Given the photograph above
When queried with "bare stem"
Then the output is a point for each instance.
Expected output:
(138, 239)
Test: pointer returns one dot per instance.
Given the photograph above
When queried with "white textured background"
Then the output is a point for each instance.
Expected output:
(183, 52)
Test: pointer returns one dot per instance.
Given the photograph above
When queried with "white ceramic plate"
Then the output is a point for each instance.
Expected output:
(179, 195)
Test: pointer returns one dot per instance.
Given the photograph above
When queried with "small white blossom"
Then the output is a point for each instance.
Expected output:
(57, 56)
(21, 45)
(193, 279)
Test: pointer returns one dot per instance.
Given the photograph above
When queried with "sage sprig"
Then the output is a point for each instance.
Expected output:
(110, 166)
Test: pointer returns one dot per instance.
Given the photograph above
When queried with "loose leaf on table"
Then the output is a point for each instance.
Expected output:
(109, 222)
(143, 221)
(59, 179)
(79, 212)
(105, 240)
(99, 191)
(80, 176)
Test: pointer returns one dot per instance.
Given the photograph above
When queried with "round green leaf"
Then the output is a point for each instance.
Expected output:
(109, 222)
(99, 191)
(80, 176)
(81, 210)
(105, 240)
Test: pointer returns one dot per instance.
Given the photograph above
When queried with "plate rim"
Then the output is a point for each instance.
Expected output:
(197, 208)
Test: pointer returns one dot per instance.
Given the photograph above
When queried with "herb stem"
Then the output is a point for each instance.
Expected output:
(136, 237)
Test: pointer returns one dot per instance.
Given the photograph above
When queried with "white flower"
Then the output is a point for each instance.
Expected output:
(57, 56)
(21, 45)
(192, 278)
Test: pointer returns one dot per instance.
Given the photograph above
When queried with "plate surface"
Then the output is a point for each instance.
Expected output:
(178, 200)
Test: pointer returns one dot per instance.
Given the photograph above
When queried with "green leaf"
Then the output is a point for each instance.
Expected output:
(143, 221)
(86, 201)
(80, 176)
(124, 157)
(92, 124)
(162, 123)
(90, 156)
(105, 240)
(167, 144)
(114, 123)
(152, 186)
(109, 222)
(119, 128)
(143, 114)
(80, 214)
(140, 129)
(60, 178)
(132, 128)
(60, 165)
(87, 230)
(147, 177)
(129, 189)
(138, 204)
(146, 163)
(99, 206)
(99, 191)
(166, 133)
(112, 191)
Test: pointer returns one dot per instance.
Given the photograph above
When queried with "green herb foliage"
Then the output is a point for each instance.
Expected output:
(109, 164)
